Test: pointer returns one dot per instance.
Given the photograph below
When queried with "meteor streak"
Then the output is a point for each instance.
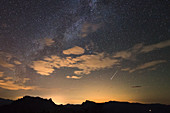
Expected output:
(114, 75)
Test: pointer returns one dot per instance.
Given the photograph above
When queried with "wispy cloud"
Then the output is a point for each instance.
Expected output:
(40, 44)
(6, 55)
(123, 54)
(89, 28)
(140, 49)
(148, 65)
(9, 84)
(125, 69)
(48, 41)
(25, 80)
(5, 64)
(73, 77)
(17, 62)
(152, 69)
(75, 50)
(130, 53)
(8, 78)
(152, 47)
(6, 60)
(1, 74)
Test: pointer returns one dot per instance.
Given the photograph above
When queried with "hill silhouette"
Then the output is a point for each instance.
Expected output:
(29, 104)
(5, 101)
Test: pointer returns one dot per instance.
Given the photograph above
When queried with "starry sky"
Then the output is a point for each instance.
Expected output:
(77, 50)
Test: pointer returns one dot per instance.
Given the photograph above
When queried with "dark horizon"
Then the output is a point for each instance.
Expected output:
(30, 104)
(82, 101)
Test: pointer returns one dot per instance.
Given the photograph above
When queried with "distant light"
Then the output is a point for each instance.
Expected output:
(150, 110)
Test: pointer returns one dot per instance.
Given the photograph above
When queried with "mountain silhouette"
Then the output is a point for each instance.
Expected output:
(5, 101)
(29, 104)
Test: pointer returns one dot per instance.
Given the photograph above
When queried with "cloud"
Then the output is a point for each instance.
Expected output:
(8, 78)
(152, 69)
(7, 83)
(40, 44)
(11, 83)
(75, 50)
(25, 80)
(42, 67)
(46, 66)
(123, 54)
(5, 55)
(147, 65)
(129, 54)
(89, 28)
(80, 72)
(136, 86)
(125, 69)
(16, 79)
(152, 47)
(4, 60)
(73, 77)
(1, 74)
(88, 63)
(17, 62)
(85, 63)
(5, 64)
(140, 49)
(49, 41)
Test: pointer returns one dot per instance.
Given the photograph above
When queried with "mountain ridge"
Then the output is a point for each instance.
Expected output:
(5, 101)
(29, 104)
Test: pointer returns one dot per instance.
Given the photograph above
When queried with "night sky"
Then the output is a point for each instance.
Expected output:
(77, 50)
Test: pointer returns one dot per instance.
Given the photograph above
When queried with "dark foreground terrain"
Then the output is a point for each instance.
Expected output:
(29, 104)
